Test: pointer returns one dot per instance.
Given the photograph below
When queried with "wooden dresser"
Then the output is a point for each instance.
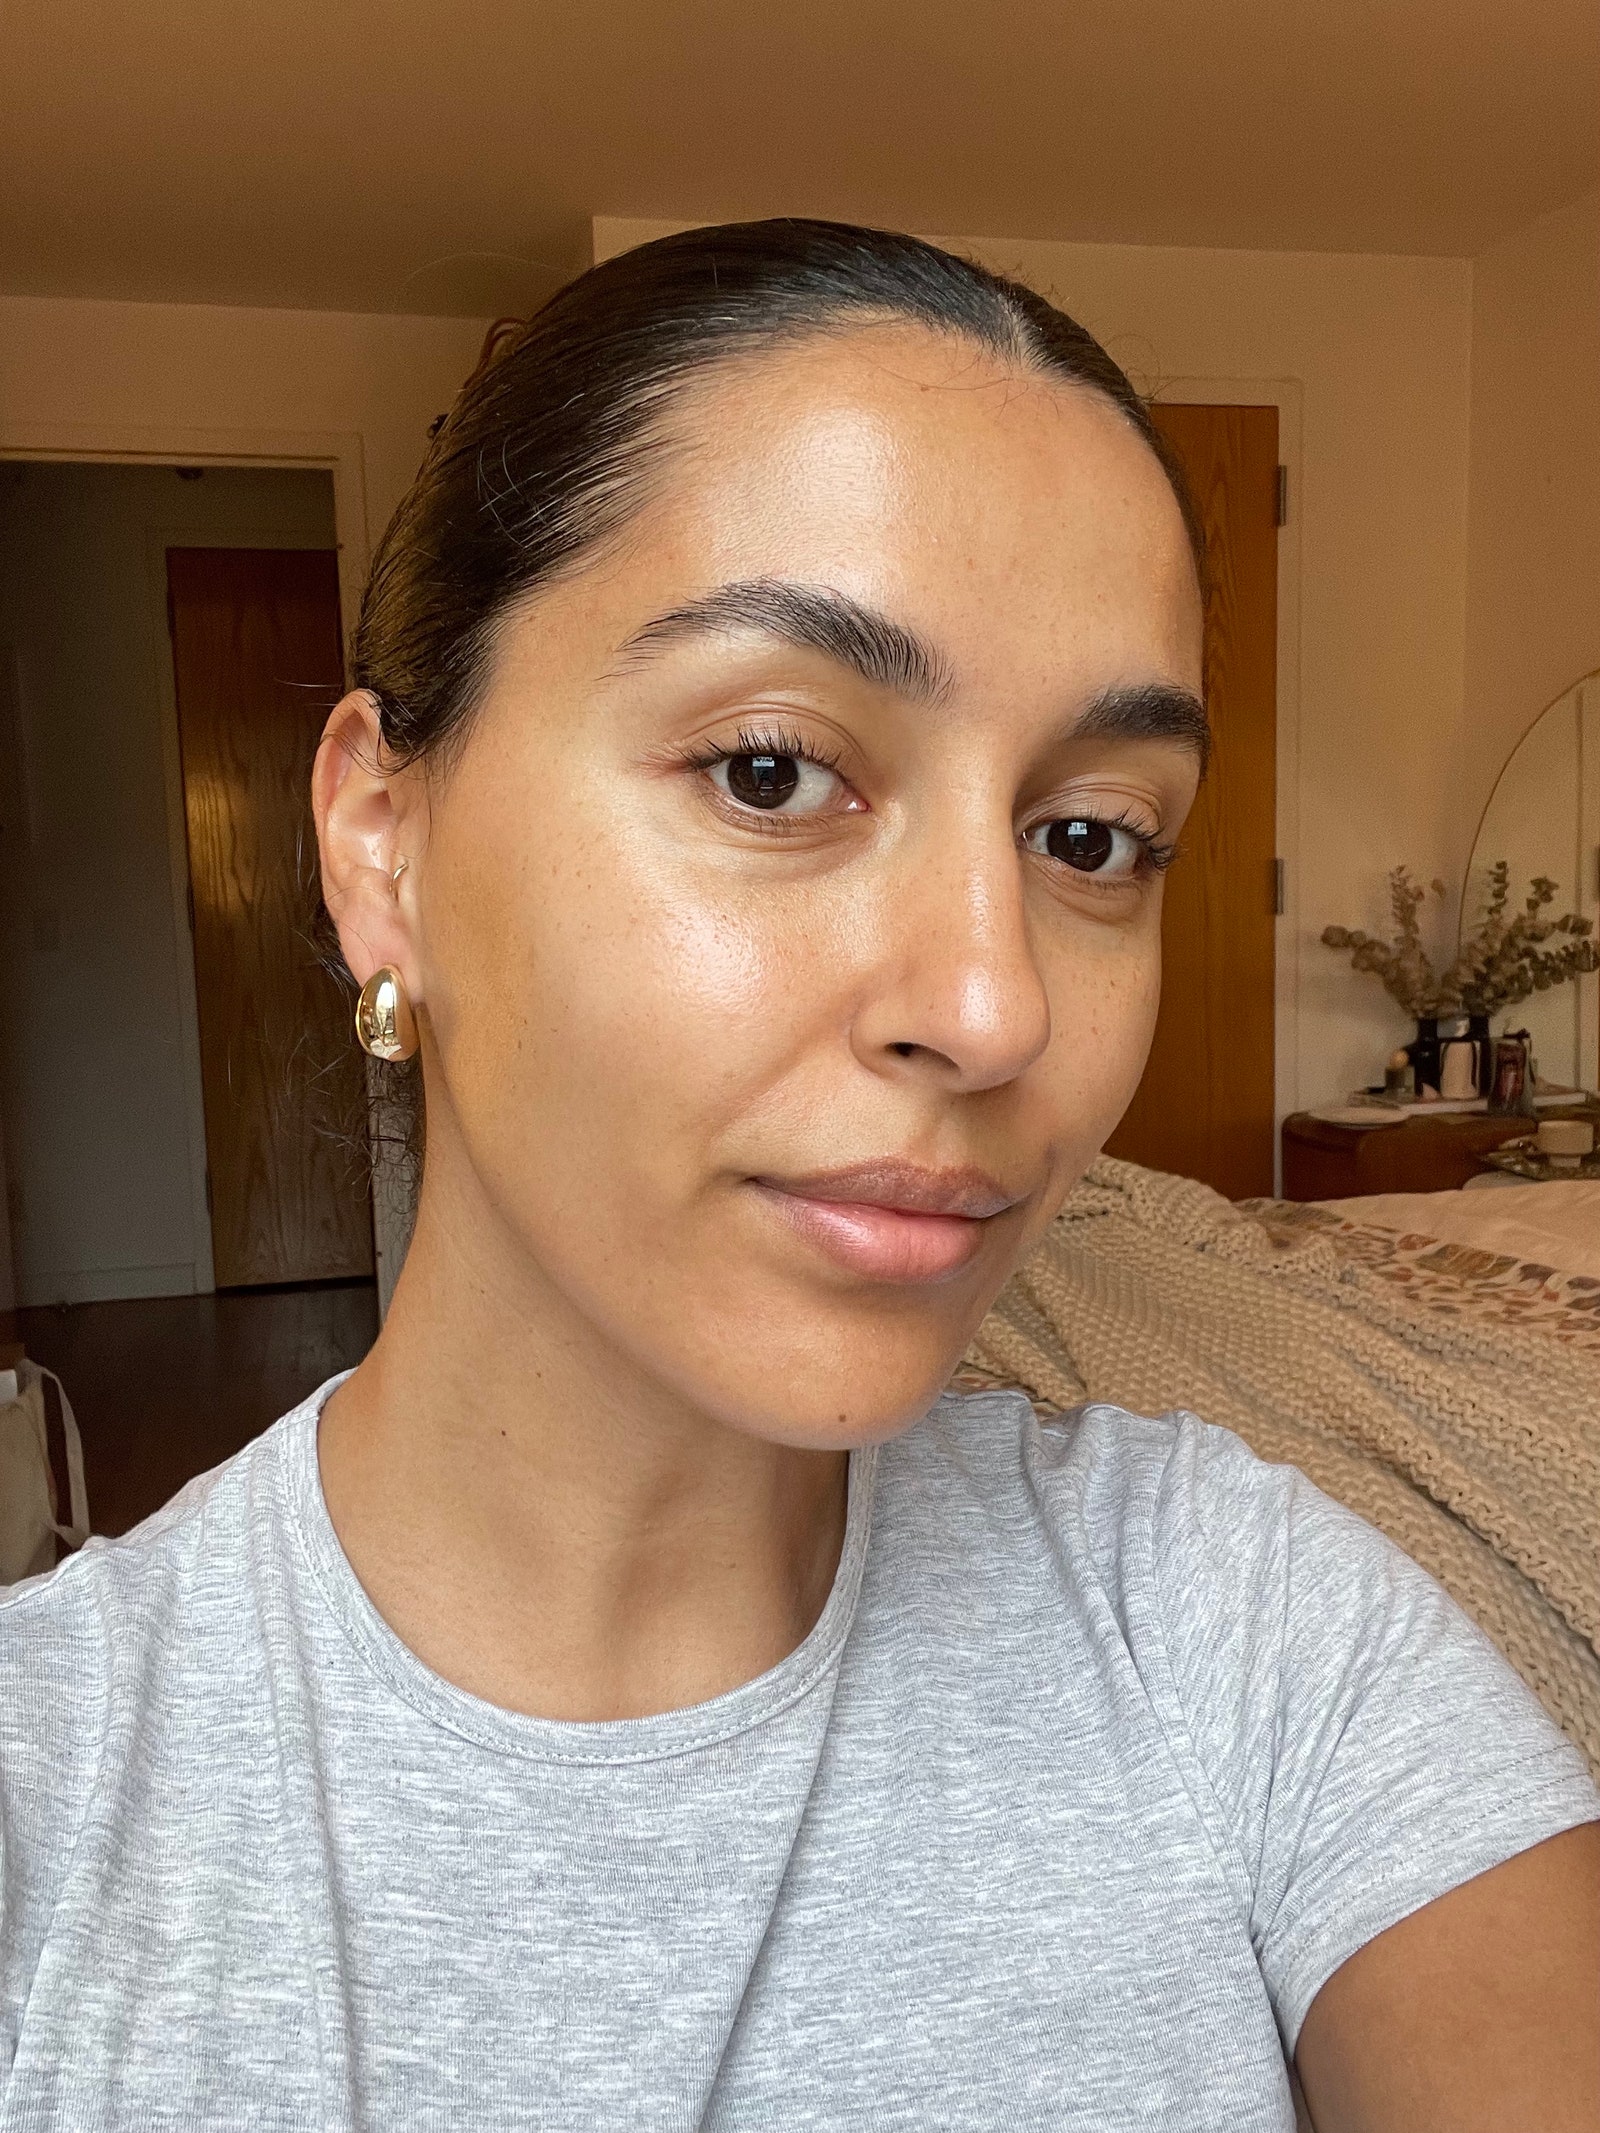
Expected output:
(1325, 1162)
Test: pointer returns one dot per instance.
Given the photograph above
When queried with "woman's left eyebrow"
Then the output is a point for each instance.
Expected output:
(813, 618)
(1147, 711)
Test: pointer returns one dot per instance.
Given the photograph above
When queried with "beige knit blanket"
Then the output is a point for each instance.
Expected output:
(1474, 1446)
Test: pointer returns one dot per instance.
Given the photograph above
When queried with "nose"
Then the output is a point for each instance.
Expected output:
(957, 988)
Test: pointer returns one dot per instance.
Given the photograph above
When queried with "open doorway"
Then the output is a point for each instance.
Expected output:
(180, 1099)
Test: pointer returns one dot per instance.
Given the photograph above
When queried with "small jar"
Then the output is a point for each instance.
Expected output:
(1565, 1141)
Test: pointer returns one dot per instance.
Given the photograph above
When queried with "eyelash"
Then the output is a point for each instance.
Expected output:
(777, 741)
(780, 740)
(1158, 856)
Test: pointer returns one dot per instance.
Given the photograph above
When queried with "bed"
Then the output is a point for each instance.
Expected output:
(1431, 1360)
(1556, 1223)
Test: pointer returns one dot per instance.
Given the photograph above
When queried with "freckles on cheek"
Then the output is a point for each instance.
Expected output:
(694, 980)
(1104, 1022)
(488, 912)
(730, 977)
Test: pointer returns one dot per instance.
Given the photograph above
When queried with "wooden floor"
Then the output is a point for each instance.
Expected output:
(166, 1387)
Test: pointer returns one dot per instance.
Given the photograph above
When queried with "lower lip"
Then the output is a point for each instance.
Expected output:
(884, 1243)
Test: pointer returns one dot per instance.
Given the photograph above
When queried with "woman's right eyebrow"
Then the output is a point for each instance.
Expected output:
(813, 618)
(819, 618)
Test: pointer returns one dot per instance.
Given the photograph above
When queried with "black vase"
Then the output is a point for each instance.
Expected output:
(1482, 1053)
(1426, 1055)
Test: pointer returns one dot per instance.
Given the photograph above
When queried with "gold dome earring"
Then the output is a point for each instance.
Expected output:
(385, 1025)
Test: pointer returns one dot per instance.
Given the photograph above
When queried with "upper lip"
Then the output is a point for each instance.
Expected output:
(912, 1188)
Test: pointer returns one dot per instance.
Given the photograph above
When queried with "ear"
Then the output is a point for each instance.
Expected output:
(369, 818)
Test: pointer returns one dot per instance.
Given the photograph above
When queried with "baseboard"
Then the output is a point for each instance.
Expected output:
(110, 1284)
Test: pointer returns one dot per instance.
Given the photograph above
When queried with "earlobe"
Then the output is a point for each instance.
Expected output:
(363, 812)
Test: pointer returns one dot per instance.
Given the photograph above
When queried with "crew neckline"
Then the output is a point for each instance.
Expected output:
(561, 1740)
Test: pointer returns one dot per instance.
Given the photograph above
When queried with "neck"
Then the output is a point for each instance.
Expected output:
(539, 1520)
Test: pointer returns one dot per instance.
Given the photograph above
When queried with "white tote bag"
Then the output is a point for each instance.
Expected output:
(28, 1524)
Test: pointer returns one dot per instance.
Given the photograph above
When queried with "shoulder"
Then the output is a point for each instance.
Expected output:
(1294, 1653)
(1354, 1744)
(1236, 1582)
(89, 1649)
(1132, 1490)
(123, 1587)
(1167, 1494)
(1164, 1531)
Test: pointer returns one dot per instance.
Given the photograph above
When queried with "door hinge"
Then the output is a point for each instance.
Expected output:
(1280, 887)
(188, 890)
(210, 1208)
(1280, 502)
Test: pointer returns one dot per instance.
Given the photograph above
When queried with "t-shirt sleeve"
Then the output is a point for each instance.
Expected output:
(1358, 1743)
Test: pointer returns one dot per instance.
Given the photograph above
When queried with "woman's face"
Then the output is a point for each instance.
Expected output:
(816, 829)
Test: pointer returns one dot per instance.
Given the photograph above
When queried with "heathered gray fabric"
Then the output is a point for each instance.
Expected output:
(1111, 1744)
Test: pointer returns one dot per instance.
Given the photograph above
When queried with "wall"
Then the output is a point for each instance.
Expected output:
(1370, 358)
(99, 1066)
(1533, 572)
(89, 367)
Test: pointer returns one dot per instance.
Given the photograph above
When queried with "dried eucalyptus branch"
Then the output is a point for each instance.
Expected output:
(1503, 960)
(1403, 964)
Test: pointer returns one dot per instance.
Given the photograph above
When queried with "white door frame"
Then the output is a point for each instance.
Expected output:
(126, 444)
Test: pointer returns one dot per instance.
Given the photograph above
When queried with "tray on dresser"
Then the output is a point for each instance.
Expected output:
(1524, 1158)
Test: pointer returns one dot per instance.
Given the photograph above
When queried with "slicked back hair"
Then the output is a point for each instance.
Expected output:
(552, 443)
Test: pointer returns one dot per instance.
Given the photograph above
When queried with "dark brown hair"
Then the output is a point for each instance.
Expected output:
(552, 442)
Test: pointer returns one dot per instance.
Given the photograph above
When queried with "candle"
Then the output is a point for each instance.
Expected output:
(1566, 1141)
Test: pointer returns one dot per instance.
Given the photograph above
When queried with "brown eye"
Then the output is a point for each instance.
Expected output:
(764, 781)
(778, 781)
(1084, 845)
(1105, 849)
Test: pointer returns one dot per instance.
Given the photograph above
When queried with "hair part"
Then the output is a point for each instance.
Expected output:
(553, 442)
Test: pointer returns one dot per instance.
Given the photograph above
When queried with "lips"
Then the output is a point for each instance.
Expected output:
(910, 1188)
(889, 1219)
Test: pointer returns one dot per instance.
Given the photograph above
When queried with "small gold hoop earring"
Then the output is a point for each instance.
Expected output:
(385, 1025)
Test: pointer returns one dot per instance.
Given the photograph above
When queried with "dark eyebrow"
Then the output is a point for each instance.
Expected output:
(1148, 711)
(815, 618)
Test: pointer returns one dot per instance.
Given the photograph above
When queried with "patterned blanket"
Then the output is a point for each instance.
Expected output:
(1449, 1397)
(1455, 1280)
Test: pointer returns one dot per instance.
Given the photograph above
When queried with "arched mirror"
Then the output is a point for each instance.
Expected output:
(1543, 817)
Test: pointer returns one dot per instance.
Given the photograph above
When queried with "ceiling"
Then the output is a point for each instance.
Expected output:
(445, 155)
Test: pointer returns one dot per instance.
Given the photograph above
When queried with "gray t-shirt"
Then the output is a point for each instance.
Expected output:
(1112, 1742)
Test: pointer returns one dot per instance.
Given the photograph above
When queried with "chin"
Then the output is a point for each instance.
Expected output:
(864, 1393)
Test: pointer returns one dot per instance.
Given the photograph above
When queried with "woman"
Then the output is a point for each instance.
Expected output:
(636, 1697)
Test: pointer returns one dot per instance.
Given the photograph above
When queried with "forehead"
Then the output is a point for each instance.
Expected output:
(1018, 516)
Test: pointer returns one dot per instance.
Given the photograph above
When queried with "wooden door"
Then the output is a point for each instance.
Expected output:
(1205, 1106)
(258, 662)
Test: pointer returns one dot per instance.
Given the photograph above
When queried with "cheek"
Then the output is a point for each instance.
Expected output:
(1104, 998)
(601, 1000)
